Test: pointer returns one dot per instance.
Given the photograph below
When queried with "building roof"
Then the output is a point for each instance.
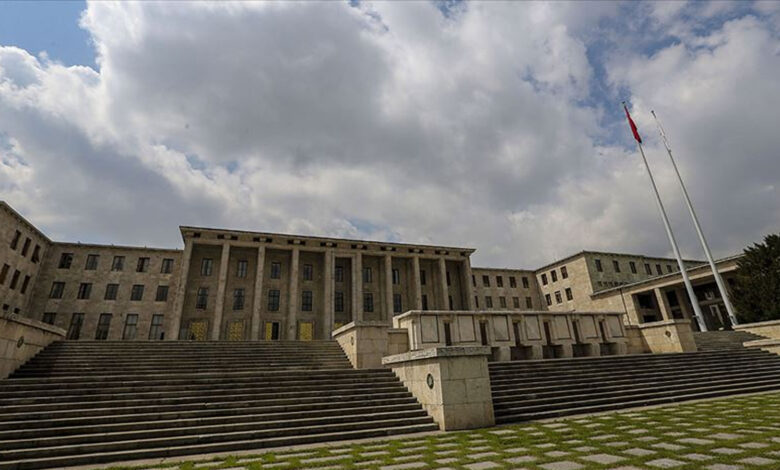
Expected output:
(609, 253)
(119, 247)
(24, 221)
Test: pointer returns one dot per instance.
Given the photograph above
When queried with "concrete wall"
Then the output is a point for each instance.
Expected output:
(366, 342)
(768, 329)
(668, 336)
(21, 338)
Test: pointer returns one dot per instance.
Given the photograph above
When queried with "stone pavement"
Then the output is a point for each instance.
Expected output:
(726, 434)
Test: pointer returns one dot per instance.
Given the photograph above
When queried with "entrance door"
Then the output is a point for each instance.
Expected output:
(483, 333)
(235, 331)
(718, 315)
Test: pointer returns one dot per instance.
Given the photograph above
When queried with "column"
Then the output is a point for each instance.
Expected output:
(416, 286)
(181, 292)
(327, 301)
(257, 305)
(682, 299)
(219, 305)
(388, 288)
(292, 303)
(468, 286)
(444, 303)
(663, 304)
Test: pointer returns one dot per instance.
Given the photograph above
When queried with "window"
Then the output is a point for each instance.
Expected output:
(599, 268)
(564, 272)
(165, 268)
(486, 281)
(648, 270)
(131, 326)
(15, 278)
(49, 317)
(92, 262)
(658, 269)
(368, 302)
(104, 323)
(449, 282)
(57, 288)
(111, 291)
(396, 276)
(525, 282)
(476, 301)
(512, 282)
(65, 260)
(338, 302)
(499, 281)
(502, 301)
(162, 294)
(515, 302)
(554, 275)
(238, 299)
(632, 267)
(422, 277)
(449, 302)
(26, 246)
(4, 273)
(306, 301)
(669, 268)
(558, 298)
(15, 240)
(424, 302)
(74, 329)
(397, 307)
(276, 270)
(529, 302)
(118, 264)
(143, 265)
(367, 275)
(85, 288)
(25, 283)
(488, 301)
(36, 256)
(206, 265)
(474, 280)
(544, 279)
(202, 298)
(156, 330)
(273, 300)
(241, 268)
(548, 299)
(569, 295)
(137, 292)
(339, 275)
(616, 265)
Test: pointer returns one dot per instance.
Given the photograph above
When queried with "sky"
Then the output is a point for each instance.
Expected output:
(489, 125)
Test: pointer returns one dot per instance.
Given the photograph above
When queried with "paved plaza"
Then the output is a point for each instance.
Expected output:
(725, 434)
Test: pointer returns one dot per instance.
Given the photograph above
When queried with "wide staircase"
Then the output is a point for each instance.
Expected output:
(526, 390)
(720, 340)
(88, 402)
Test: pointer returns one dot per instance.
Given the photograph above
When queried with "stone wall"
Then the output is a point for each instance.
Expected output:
(768, 329)
(668, 336)
(21, 338)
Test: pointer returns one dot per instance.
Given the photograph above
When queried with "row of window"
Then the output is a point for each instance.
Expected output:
(112, 291)
(14, 278)
(117, 263)
(502, 302)
(632, 266)
(307, 300)
(558, 298)
(129, 332)
(500, 281)
(36, 254)
(554, 275)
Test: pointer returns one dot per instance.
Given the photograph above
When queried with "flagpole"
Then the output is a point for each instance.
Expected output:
(667, 226)
(718, 279)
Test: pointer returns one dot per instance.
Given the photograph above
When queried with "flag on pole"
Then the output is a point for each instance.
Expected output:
(631, 123)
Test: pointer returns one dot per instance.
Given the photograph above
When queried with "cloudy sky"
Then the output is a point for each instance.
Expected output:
(489, 125)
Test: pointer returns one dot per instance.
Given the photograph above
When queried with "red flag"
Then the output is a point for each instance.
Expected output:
(633, 126)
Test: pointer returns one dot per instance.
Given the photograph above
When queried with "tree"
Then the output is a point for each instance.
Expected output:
(756, 292)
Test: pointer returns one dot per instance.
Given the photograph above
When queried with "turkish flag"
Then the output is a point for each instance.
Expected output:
(633, 126)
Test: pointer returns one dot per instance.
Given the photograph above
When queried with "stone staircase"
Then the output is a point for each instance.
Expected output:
(90, 402)
(526, 390)
(720, 340)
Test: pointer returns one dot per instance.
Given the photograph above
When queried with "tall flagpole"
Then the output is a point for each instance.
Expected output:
(718, 279)
(686, 280)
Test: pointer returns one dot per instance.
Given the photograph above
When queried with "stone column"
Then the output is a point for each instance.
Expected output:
(357, 287)
(468, 286)
(444, 295)
(219, 305)
(258, 297)
(416, 286)
(663, 304)
(388, 288)
(327, 301)
(181, 291)
(682, 299)
(292, 303)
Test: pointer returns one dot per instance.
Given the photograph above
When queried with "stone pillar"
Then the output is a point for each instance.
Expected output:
(219, 304)
(388, 288)
(682, 299)
(257, 305)
(357, 287)
(444, 303)
(327, 301)
(416, 286)
(292, 303)
(181, 291)
(663, 304)
(468, 286)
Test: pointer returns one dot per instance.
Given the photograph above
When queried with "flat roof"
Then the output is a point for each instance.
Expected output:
(609, 253)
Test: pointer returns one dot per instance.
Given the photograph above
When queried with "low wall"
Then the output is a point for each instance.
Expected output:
(768, 329)
(366, 342)
(667, 336)
(21, 338)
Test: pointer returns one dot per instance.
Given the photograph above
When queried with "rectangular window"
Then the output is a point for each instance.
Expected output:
(137, 292)
(525, 283)
(273, 300)
(548, 299)
(65, 260)
(156, 329)
(339, 274)
(397, 307)
(558, 298)
(166, 268)
(308, 272)
(632, 267)
(616, 265)
(424, 302)
(502, 301)
(396, 276)
(202, 298)
(529, 302)
(516, 302)
(162, 294)
(488, 301)
(92, 262)
(474, 280)
(118, 264)
(367, 275)
(669, 268)
(131, 326)
(422, 277)
(25, 283)
(15, 278)
(512, 282)
(486, 281)
(276, 270)
(36, 256)
(658, 269)
(499, 281)
(26, 246)
(544, 279)
(111, 291)
(206, 266)
(15, 240)
(4, 273)
(241, 268)
(599, 268)
(142, 266)
(49, 317)
(449, 302)
(338, 302)
(85, 288)
(104, 323)
(306, 301)
(554, 275)
(476, 301)
(238, 299)
(57, 288)
(564, 272)
(368, 302)
(449, 282)
(569, 295)
(648, 270)
(74, 329)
